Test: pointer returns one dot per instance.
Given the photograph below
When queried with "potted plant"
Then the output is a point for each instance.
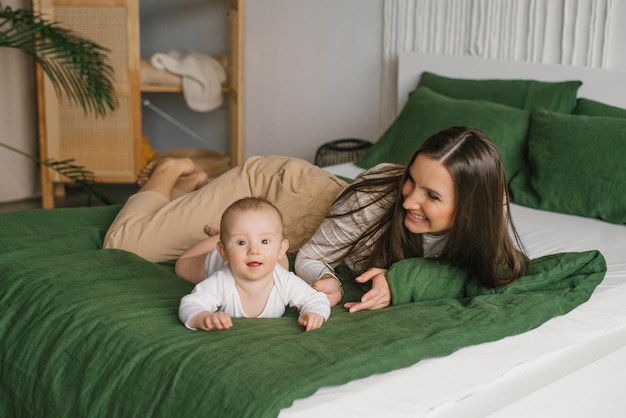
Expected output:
(75, 65)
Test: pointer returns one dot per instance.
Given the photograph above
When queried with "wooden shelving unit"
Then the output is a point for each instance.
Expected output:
(111, 146)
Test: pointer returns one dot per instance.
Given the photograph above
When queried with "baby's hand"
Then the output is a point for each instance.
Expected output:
(311, 320)
(212, 320)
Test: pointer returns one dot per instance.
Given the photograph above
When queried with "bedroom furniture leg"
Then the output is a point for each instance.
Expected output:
(47, 194)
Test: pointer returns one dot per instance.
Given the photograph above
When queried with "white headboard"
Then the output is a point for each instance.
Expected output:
(602, 85)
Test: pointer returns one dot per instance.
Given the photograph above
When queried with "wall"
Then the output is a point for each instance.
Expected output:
(19, 176)
(312, 69)
(311, 73)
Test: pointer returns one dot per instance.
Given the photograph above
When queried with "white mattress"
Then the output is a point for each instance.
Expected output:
(560, 369)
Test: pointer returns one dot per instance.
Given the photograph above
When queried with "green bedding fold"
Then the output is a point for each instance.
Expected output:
(420, 279)
(92, 332)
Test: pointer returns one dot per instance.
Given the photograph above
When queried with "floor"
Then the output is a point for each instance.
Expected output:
(74, 197)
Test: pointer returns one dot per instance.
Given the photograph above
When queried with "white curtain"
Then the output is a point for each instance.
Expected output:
(567, 32)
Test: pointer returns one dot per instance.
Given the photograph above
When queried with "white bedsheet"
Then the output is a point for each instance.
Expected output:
(543, 372)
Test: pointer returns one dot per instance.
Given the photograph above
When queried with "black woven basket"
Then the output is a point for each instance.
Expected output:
(341, 151)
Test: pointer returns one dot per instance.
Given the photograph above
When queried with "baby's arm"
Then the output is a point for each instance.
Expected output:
(311, 320)
(199, 309)
(313, 305)
(207, 321)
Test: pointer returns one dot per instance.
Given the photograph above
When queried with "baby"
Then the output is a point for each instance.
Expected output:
(253, 284)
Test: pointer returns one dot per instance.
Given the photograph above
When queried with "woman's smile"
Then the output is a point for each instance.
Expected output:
(429, 197)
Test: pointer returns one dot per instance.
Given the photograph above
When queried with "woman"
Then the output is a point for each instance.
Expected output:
(447, 204)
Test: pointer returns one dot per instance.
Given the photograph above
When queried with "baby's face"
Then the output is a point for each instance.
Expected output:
(254, 243)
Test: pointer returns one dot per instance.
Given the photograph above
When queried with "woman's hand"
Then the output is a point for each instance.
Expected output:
(331, 287)
(378, 297)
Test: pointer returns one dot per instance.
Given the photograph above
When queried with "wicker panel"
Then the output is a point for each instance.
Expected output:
(100, 144)
(105, 25)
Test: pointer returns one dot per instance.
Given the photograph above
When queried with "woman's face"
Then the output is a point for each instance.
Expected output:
(429, 197)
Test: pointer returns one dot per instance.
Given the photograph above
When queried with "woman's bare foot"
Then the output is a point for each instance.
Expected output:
(171, 173)
(144, 173)
(188, 178)
(176, 166)
(191, 182)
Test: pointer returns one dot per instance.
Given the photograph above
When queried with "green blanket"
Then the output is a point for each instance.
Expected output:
(92, 332)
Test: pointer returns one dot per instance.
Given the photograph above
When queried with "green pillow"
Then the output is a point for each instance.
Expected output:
(590, 107)
(577, 165)
(523, 94)
(419, 279)
(427, 113)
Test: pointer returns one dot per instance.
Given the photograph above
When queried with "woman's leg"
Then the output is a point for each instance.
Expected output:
(302, 191)
(169, 178)
(144, 173)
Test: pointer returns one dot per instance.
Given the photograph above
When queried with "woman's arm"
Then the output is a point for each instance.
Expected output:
(329, 243)
(332, 241)
(311, 261)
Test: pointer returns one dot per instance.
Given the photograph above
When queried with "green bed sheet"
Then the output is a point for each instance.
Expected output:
(94, 333)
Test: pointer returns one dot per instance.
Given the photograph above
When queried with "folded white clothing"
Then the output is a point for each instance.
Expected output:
(202, 77)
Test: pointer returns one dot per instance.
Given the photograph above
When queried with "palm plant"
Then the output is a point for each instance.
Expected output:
(75, 66)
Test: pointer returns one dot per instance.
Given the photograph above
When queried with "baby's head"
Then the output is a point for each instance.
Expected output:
(246, 205)
(252, 239)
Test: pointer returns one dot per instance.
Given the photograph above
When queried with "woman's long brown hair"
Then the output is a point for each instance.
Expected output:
(483, 240)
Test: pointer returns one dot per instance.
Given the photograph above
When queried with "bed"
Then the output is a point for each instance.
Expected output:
(92, 332)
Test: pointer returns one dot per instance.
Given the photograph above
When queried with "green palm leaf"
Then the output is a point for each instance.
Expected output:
(77, 173)
(75, 66)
